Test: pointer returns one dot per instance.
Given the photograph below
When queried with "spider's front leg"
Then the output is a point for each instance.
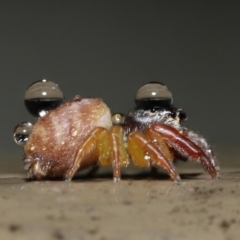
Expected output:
(103, 147)
(186, 148)
(149, 149)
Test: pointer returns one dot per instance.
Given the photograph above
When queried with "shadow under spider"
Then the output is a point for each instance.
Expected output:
(153, 174)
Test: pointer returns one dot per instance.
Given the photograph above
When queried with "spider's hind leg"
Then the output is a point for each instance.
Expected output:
(103, 147)
(87, 153)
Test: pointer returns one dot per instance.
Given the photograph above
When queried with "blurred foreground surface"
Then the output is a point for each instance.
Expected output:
(141, 206)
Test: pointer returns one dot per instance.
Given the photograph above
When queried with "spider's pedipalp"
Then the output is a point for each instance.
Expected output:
(185, 147)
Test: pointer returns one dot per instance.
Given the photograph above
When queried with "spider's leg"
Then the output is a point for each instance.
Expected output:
(119, 154)
(157, 140)
(103, 147)
(185, 147)
(143, 153)
(87, 153)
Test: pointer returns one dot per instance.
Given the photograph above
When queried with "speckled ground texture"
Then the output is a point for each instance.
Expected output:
(141, 206)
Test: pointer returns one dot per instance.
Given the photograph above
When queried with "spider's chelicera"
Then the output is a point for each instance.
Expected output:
(73, 135)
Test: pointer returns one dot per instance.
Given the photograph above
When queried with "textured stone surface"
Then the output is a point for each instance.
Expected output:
(142, 206)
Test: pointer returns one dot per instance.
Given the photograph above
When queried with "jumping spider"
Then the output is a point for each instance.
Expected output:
(73, 135)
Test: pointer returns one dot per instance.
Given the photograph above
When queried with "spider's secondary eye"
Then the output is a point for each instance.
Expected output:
(42, 96)
(152, 95)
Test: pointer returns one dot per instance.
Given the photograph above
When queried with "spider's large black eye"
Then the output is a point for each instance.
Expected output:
(42, 96)
(153, 95)
(182, 115)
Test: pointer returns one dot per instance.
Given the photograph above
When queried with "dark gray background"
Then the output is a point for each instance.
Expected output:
(109, 49)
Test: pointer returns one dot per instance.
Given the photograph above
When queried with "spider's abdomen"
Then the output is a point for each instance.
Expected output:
(55, 137)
